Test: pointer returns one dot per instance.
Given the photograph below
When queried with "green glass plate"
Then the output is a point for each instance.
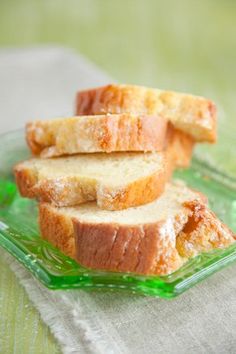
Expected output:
(19, 234)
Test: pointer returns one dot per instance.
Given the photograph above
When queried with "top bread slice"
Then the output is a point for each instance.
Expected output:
(156, 238)
(115, 180)
(193, 115)
(102, 133)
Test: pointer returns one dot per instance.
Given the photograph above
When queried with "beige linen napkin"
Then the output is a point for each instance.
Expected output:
(203, 320)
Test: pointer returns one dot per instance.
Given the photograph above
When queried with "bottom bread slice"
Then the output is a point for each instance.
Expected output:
(156, 238)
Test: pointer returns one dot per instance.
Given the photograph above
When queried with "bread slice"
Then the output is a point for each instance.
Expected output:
(191, 114)
(178, 149)
(108, 133)
(156, 238)
(102, 133)
(115, 180)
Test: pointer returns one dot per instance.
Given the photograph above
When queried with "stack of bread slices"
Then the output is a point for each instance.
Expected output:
(103, 180)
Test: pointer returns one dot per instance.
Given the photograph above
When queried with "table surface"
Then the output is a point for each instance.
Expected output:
(186, 45)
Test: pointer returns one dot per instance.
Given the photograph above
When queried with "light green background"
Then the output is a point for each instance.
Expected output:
(186, 45)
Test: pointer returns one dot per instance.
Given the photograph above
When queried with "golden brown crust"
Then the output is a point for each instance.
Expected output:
(157, 248)
(25, 181)
(179, 148)
(193, 115)
(71, 191)
(142, 249)
(140, 192)
(139, 249)
(148, 249)
(57, 229)
(31, 138)
(203, 232)
(103, 133)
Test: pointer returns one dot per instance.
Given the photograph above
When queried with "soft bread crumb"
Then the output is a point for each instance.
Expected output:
(116, 180)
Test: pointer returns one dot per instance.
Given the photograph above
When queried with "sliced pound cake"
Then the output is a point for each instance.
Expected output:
(116, 180)
(193, 115)
(156, 238)
(102, 133)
